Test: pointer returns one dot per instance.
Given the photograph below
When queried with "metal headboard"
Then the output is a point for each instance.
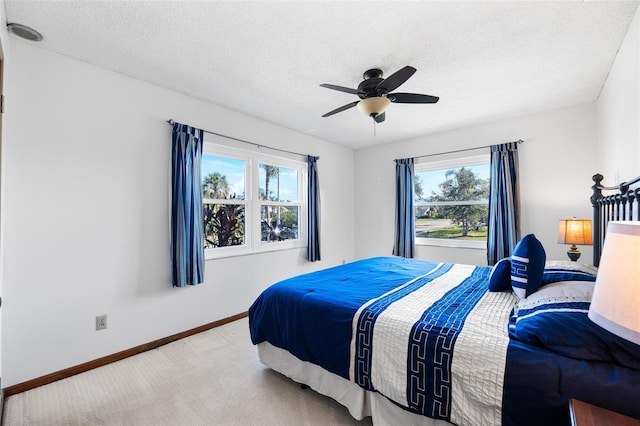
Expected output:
(620, 202)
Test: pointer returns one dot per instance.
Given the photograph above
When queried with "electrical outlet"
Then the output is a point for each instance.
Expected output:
(101, 322)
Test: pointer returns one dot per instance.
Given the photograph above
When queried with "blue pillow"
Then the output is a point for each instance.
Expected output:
(500, 278)
(555, 318)
(527, 266)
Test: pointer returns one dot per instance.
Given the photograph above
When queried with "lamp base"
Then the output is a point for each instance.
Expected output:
(574, 253)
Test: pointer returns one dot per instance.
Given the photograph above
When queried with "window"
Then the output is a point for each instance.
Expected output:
(251, 202)
(223, 199)
(279, 203)
(452, 202)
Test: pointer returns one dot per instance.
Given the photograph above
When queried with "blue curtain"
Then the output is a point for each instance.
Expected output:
(404, 243)
(504, 205)
(187, 234)
(313, 211)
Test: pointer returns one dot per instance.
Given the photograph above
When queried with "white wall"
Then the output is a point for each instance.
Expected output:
(5, 50)
(619, 113)
(556, 164)
(86, 201)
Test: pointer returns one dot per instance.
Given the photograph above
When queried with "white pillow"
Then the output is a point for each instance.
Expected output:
(569, 265)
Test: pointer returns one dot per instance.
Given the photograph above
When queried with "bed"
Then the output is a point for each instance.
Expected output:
(407, 341)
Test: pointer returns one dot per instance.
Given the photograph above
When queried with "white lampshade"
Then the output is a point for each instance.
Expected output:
(575, 231)
(616, 297)
(374, 105)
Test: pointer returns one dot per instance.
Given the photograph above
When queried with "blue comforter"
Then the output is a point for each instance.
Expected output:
(429, 316)
(311, 315)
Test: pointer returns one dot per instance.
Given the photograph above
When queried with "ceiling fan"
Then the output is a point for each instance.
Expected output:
(375, 93)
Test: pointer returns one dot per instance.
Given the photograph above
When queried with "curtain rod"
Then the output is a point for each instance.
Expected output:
(170, 121)
(519, 141)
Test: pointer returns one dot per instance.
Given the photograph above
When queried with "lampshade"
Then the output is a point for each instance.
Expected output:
(575, 231)
(616, 297)
(374, 105)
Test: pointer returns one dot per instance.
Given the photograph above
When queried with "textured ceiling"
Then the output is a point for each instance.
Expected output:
(485, 60)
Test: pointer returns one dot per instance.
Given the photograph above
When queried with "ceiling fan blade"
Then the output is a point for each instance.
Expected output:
(342, 108)
(379, 118)
(340, 88)
(396, 79)
(412, 98)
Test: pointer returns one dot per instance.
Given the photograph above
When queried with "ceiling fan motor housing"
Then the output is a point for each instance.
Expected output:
(367, 88)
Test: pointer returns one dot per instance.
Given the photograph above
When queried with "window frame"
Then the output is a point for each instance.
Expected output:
(253, 238)
(444, 164)
(301, 167)
(209, 148)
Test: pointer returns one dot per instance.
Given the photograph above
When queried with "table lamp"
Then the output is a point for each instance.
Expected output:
(575, 231)
(616, 296)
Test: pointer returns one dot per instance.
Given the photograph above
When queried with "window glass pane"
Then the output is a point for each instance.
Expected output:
(224, 225)
(452, 203)
(464, 183)
(278, 183)
(223, 178)
(463, 222)
(279, 223)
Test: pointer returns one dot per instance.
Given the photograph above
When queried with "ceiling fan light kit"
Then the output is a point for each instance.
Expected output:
(374, 92)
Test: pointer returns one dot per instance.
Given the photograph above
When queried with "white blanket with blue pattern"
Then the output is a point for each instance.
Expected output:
(435, 347)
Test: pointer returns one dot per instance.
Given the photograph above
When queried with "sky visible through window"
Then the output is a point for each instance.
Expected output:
(234, 171)
(431, 179)
(284, 187)
(231, 168)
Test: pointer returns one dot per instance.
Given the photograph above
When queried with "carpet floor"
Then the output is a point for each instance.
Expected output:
(211, 378)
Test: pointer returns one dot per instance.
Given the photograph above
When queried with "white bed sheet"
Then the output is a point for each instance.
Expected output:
(359, 402)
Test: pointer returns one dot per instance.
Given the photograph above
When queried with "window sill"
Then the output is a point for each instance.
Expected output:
(441, 242)
(212, 254)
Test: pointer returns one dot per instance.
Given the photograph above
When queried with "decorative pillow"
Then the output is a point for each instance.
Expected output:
(527, 266)
(560, 270)
(555, 318)
(574, 266)
(500, 278)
